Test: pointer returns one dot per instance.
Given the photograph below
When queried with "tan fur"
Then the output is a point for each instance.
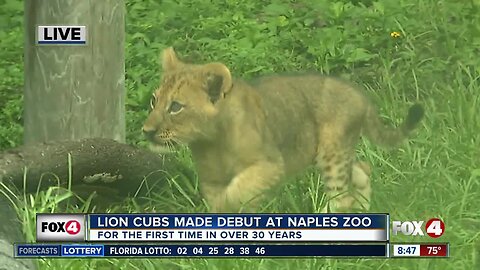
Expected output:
(246, 137)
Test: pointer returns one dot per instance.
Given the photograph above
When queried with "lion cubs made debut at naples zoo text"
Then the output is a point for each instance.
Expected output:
(246, 137)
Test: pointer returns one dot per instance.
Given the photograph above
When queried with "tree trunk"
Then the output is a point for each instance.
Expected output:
(75, 92)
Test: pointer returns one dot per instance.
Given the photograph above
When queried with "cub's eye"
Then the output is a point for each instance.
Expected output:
(153, 101)
(175, 107)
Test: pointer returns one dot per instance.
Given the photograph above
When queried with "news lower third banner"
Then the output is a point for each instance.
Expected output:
(147, 251)
(213, 227)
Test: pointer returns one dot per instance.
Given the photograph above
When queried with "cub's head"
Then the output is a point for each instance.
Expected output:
(185, 106)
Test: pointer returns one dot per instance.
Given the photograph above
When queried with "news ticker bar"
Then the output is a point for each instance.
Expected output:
(211, 227)
(385, 250)
(236, 251)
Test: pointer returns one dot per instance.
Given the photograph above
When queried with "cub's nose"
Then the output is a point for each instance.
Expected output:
(149, 133)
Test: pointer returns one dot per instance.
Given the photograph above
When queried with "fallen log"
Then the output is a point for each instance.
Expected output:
(96, 165)
(110, 169)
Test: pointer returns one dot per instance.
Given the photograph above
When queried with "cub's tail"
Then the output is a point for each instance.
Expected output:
(382, 135)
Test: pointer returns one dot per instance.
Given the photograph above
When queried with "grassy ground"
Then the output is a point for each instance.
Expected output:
(434, 61)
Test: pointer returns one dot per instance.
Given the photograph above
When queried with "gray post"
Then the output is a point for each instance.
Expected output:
(75, 92)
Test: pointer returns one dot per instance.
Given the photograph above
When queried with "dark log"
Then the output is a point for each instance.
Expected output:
(113, 170)
(110, 169)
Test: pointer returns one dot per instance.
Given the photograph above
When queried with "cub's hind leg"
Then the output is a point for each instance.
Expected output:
(353, 196)
(347, 183)
(335, 164)
(361, 185)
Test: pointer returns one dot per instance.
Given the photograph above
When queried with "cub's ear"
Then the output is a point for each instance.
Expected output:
(169, 59)
(218, 80)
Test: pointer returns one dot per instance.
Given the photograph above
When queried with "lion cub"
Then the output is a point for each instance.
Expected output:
(245, 137)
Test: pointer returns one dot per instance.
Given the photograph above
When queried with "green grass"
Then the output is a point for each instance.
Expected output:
(435, 62)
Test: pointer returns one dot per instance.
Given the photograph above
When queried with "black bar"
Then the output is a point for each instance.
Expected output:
(232, 251)
(256, 250)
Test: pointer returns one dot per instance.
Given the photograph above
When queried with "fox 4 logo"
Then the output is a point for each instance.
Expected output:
(434, 228)
(70, 227)
(60, 227)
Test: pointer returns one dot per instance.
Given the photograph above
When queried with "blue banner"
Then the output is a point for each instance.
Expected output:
(237, 221)
(235, 251)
